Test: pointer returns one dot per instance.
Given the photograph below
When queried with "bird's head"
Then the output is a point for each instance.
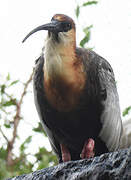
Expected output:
(61, 27)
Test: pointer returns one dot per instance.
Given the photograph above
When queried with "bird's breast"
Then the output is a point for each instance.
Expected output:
(64, 90)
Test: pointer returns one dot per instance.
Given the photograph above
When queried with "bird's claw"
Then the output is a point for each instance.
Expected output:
(65, 153)
(88, 149)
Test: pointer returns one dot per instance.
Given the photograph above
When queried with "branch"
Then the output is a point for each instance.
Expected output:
(4, 135)
(16, 121)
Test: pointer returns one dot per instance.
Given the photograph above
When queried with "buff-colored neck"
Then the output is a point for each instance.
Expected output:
(59, 56)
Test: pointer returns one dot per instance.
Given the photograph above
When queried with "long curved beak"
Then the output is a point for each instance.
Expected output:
(54, 26)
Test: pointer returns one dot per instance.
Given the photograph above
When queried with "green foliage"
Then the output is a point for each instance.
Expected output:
(23, 162)
(126, 111)
(39, 129)
(3, 153)
(86, 30)
(87, 35)
(2, 90)
(7, 100)
(8, 103)
(88, 3)
(25, 144)
(77, 11)
(4, 173)
(7, 125)
(3, 170)
(45, 158)
(14, 82)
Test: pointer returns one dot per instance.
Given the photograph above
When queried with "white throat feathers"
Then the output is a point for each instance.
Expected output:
(58, 54)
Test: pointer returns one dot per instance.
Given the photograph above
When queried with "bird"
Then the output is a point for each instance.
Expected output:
(75, 95)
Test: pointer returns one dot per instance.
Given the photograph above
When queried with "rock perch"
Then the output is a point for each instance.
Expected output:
(109, 166)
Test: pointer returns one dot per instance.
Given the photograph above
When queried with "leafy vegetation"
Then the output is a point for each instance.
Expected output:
(86, 30)
(126, 111)
(77, 10)
(12, 164)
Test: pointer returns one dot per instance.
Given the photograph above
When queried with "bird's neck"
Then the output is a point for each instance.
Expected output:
(64, 78)
(59, 57)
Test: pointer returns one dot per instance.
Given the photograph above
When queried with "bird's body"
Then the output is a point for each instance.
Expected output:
(75, 95)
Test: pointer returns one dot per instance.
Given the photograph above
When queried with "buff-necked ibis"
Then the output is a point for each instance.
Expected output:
(75, 95)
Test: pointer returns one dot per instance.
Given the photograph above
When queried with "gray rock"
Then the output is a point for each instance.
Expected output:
(110, 166)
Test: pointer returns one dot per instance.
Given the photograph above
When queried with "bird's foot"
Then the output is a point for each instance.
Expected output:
(65, 153)
(87, 151)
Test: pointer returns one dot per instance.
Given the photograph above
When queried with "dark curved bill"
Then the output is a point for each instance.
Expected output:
(50, 27)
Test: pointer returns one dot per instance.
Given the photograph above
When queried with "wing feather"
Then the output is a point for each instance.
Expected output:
(38, 88)
(111, 116)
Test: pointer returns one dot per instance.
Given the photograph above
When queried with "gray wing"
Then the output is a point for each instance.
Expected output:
(39, 97)
(111, 116)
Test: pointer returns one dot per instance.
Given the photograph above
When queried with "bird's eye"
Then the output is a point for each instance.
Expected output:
(66, 26)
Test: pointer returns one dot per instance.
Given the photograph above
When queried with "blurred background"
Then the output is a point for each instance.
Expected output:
(103, 25)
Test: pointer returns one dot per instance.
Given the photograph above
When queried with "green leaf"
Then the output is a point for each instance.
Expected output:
(23, 145)
(14, 82)
(7, 125)
(28, 140)
(3, 86)
(87, 36)
(77, 11)
(45, 158)
(9, 103)
(84, 41)
(3, 153)
(8, 77)
(89, 3)
(126, 111)
(39, 129)
(87, 29)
